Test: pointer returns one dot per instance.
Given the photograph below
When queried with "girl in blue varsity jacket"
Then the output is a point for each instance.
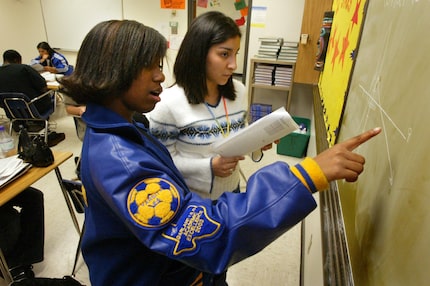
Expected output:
(51, 60)
(143, 225)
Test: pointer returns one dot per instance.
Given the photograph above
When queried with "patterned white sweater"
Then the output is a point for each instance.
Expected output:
(188, 132)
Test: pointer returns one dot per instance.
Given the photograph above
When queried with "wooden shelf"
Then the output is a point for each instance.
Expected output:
(272, 73)
(274, 87)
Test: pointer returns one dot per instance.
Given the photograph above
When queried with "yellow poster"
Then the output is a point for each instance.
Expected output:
(341, 53)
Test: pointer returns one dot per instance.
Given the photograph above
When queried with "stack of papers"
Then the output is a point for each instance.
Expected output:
(48, 76)
(11, 168)
(264, 131)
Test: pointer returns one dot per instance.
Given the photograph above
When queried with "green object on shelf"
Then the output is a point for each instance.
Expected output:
(295, 144)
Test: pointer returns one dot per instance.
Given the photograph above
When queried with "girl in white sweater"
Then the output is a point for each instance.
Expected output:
(205, 105)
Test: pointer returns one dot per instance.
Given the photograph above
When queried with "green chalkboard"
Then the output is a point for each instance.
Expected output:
(387, 212)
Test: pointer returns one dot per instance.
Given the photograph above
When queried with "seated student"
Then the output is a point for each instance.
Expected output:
(18, 77)
(22, 232)
(51, 60)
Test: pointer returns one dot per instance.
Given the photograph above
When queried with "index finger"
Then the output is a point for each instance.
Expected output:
(356, 141)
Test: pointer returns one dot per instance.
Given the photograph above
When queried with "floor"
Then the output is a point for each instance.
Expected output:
(277, 264)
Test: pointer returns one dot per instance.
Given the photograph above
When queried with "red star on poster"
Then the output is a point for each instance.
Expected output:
(345, 46)
(354, 18)
(335, 54)
(332, 37)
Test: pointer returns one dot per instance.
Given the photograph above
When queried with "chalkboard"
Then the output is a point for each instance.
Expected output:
(387, 212)
(68, 21)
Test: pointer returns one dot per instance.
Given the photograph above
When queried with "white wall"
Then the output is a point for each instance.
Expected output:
(22, 25)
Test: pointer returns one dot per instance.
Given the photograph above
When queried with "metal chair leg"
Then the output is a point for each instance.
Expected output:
(68, 202)
(78, 250)
(5, 269)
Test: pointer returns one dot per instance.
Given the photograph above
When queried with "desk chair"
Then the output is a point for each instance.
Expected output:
(74, 189)
(19, 107)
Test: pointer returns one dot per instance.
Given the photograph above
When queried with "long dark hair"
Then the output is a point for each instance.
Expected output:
(111, 56)
(208, 29)
(46, 47)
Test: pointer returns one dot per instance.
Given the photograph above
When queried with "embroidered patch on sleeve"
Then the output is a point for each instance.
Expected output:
(153, 202)
(193, 225)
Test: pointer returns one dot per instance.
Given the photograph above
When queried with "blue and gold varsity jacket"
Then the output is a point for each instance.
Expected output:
(144, 227)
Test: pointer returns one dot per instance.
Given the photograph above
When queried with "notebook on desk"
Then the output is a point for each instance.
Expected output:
(12, 168)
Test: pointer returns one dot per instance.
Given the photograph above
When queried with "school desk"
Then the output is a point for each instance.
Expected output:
(15, 187)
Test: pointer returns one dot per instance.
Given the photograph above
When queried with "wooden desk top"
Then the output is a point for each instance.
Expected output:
(53, 86)
(30, 177)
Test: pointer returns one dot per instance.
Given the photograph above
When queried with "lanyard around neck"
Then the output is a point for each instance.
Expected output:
(227, 132)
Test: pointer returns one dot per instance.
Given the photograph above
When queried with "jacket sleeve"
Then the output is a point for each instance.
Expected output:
(169, 219)
(60, 63)
(246, 222)
(36, 60)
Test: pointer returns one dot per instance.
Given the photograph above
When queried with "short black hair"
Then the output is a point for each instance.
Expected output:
(12, 56)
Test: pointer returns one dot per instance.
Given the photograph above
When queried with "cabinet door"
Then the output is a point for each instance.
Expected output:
(313, 15)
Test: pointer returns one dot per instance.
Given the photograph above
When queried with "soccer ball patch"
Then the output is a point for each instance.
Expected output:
(153, 202)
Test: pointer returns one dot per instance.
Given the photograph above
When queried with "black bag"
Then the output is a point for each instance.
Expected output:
(34, 151)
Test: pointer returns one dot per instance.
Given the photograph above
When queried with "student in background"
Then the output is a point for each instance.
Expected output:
(51, 60)
(18, 77)
(204, 106)
(143, 224)
(22, 232)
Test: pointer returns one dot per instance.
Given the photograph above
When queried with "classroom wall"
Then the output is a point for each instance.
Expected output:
(22, 24)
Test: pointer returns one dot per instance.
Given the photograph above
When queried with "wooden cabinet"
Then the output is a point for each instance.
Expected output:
(271, 75)
(311, 25)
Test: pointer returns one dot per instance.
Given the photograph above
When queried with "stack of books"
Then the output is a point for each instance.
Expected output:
(269, 47)
(282, 76)
(288, 51)
(263, 74)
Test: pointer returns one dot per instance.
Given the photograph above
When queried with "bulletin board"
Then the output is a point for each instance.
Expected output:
(339, 61)
(68, 21)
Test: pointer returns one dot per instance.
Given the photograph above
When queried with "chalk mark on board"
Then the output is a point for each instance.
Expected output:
(375, 102)
(382, 112)
(405, 137)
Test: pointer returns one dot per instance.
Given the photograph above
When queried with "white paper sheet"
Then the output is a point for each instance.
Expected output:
(11, 168)
(258, 134)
